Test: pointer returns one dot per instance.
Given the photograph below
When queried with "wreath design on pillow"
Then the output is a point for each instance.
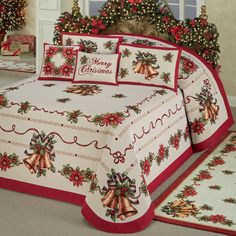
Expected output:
(64, 70)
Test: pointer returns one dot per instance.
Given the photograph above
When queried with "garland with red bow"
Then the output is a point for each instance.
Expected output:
(198, 34)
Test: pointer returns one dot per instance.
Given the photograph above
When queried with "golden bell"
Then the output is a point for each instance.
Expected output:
(125, 208)
(110, 200)
(45, 161)
(151, 73)
(32, 163)
(137, 67)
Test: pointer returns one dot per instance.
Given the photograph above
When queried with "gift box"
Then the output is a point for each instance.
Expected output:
(24, 39)
(9, 48)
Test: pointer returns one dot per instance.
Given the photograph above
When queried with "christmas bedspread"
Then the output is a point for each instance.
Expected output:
(104, 147)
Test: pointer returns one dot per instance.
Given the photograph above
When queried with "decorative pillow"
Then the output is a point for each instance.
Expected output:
(145, 40)
(97, 68)
(144, 65)
(93, 43)
(59, 62)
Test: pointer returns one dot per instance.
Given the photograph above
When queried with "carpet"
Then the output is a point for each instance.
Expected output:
(19, 66)
(204, 197)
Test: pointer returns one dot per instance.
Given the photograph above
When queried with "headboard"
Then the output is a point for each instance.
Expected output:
(145, 17)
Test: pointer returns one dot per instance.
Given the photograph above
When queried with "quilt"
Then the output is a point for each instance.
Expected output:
(104, 147)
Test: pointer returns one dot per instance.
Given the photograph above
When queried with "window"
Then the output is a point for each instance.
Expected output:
(181, 8)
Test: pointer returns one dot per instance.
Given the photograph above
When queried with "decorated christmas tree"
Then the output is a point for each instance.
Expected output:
(12, 15)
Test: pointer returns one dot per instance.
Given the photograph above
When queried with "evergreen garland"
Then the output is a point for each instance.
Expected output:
(196, 33)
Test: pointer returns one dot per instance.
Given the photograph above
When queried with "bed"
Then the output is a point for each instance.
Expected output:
(107, 148)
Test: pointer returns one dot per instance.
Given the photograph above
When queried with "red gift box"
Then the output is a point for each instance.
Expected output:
(24, 39)
(9, 48)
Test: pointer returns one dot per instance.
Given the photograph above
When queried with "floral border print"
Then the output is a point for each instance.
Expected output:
(163, 151)
(77, 176)
(40, 154)
(8, 161)
(119, 196)
(183, 207)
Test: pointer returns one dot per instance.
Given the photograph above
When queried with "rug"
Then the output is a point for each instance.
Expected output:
(19, 66)
(204, 197)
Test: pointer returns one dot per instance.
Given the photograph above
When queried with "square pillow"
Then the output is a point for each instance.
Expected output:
(92, 43)
(152, 66)
(145, 40)
(59, 62)
(97, 68)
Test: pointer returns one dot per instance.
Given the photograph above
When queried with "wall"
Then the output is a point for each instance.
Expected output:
(223, 14)
(30, 13)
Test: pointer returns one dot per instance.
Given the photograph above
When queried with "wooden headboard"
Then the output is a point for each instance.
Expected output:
(145, 17)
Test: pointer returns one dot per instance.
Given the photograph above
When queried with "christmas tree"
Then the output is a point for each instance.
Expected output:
(12, 15)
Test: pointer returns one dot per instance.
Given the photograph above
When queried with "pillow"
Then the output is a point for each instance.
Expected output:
(59, 62)
(97, 68)
(145, 65)
(92, 43)
(145, 40)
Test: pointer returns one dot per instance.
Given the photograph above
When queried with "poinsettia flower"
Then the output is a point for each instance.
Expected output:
(48, 68)
(188, 65)
(175, 140)
(68, 52)
(217, 218)
(66, 69)
(166, 19)
(193, 23)
(204, 175)
(77, 178)
(5, 162)
(178, 31)
(146, 167)
(161, 151)
(113, 119)
(2, 100)
(197, 126)
(51, 51)
(189, 191)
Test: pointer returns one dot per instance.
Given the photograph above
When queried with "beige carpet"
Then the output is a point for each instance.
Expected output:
(24, 215)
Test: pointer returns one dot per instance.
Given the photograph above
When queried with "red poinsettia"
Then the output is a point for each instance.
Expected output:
(189, 65)
(51, 51)
(217, 218)
(97, 25)
(178, 31)
(77, 178)
(66, 70)
(175, 140)
(197, 126)
(48, 68)
(161, 152)
(166, 19)
(146, 167)
(189, 191)
(217, 161)
(68, 52)
(5, 162)
(113, 119)
(204, 175)
(193, 23)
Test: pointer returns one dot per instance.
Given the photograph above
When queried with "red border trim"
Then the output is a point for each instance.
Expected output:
(170, 170)
(115, 83)
(212, 140)
(196, 164)
(130, 227)
(57, 78)
(179, 49)
(45, 192)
